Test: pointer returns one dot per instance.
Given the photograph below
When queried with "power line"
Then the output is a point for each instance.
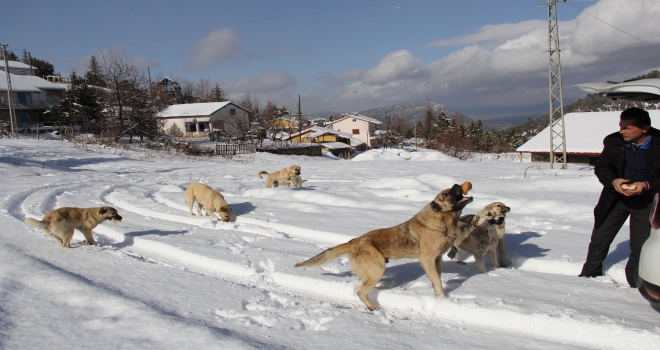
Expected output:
(610, 25)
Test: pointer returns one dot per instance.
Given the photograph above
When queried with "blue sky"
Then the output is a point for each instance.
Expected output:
(342, 56)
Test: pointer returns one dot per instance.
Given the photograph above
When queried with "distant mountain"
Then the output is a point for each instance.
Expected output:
(409, 111)
(508, 122)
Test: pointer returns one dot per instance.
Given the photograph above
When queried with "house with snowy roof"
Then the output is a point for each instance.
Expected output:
(584, 132)
(359, 126)
(198, 119)
(336, 142)
(18, 68)
(31, 95)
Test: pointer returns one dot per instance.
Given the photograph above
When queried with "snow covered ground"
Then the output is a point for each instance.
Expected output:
(164, 279)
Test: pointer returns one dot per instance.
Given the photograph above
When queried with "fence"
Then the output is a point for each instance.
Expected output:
(232, 149)
(296, 148)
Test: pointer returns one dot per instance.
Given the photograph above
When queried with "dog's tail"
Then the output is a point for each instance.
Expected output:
(261, 173)
(35, 223)
(326, 256)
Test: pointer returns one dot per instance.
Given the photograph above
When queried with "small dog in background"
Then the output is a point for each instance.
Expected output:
(500, 210)
(61, 222)
(280, 175)
(475, 236)
(293, 180)
(208, 199)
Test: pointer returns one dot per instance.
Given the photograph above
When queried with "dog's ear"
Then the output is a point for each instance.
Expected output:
(435, 206)
(103, 210)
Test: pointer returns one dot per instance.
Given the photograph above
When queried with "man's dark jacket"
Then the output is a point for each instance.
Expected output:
(610, 166)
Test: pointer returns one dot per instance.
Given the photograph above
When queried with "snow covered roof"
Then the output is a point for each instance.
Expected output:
(335, 145)
(14, 64)
(358, 116)
(192, 109)
(318, 131)
(641, 89)
(28, 83)
(356, 142)
(584, 132)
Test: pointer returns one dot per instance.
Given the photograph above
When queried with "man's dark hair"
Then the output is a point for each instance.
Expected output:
(639, 117)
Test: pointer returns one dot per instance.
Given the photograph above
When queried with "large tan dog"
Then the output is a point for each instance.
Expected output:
(280, 175)
(476, 236)
(500, 210)
(61, 222)
(208, 199)
(426, 236)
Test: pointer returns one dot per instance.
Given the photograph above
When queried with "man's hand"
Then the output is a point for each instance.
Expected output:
(635, 189)
(632, 189)
(617, 185)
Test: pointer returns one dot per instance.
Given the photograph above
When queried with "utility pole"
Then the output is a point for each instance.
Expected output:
(12, 113)
(415, 130)
(556, 117)
(30, 63)
(149, 74)
(299, 116)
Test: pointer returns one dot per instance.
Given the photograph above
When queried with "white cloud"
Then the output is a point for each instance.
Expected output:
(508, 63)
(396, 65)
(492, 33)
(217, 47)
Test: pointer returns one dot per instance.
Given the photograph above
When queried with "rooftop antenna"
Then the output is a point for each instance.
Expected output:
(556, 117)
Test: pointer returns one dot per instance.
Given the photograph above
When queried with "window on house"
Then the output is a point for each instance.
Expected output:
(49, 98)
(193, 128)
(232, 111)
(356, 131)
(22, 72)
(354, 119)
(201, 127)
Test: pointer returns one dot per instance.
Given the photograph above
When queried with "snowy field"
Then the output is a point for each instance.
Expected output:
(164, 279)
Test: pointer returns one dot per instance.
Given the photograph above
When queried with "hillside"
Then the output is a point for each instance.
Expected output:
(408, 111)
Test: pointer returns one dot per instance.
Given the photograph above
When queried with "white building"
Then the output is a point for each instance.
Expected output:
(31, 95)
(359, 126)
(198, 119)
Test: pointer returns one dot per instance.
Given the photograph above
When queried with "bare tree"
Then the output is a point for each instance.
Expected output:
(129, 106)
(203, 89)
(187, 90)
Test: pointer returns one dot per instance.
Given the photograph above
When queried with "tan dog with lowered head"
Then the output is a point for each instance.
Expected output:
(280, 175)
(476, 236)
(426, 236)
(208, 199)
(61, 222)
(500, 210)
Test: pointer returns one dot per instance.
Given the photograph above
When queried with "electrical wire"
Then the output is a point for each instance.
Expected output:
(610, 25)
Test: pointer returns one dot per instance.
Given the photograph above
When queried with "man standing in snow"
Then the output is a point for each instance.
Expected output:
(629, 169)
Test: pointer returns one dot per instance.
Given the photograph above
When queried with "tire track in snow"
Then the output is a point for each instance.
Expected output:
(566, 328)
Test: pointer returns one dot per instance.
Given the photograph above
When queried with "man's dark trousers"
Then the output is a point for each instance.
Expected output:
(603, 236)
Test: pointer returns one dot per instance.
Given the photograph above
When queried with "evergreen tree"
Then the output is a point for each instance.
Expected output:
(26, 57)
(94, 76)
(88, 106)
(43, 68)
(218, 94)
(11, 56)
